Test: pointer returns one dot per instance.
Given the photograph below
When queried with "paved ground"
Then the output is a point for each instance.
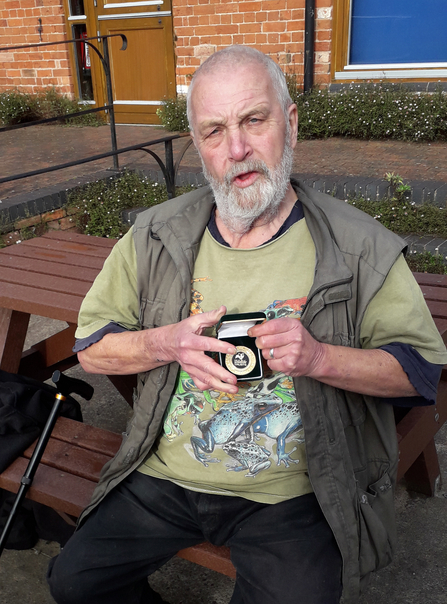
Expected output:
(418, 573)
(42, 146)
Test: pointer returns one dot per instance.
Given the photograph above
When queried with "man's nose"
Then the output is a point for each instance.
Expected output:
(239, 147)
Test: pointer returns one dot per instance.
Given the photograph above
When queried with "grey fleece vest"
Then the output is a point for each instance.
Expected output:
(350, 439)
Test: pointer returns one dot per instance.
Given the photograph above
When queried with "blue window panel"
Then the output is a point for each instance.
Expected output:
(398, 31)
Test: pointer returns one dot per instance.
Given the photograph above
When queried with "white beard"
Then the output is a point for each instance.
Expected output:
(240, 208)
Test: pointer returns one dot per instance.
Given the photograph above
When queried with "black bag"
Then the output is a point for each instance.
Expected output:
(25, 405)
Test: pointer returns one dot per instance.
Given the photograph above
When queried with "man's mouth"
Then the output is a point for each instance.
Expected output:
(245, 179)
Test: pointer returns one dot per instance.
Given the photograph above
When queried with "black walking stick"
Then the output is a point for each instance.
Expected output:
(65, 386)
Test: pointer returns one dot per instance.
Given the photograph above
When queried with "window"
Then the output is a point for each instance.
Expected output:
(394, 39)
(77, 29)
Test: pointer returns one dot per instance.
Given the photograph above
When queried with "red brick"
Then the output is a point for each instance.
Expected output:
(249, 28)
(325, 34)
(249, 17)
(273, 4)
(261, 16)
(273, 38)
(250, 39)
(249, 7)
(273, 15)
(322, 46)
(204, 10)
(323, 24)
(274, 26)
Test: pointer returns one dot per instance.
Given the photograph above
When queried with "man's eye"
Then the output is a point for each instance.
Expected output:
(254, 120)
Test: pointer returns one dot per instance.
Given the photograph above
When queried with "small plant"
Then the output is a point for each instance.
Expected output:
(400, 190)
(173, 114)
(98, 206)
(19, 107)
(425, 262)
(16, 107)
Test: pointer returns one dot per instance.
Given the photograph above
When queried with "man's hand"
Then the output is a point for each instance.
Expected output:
(295, 351)
(139, 351)
(185, 344)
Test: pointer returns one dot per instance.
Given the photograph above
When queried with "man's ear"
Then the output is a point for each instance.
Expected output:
(293, 121)
(191, 134)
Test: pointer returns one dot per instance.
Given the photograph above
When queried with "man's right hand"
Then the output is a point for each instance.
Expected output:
(185, 344)
(139, 351)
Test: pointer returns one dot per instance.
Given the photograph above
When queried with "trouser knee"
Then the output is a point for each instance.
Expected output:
(65, 586)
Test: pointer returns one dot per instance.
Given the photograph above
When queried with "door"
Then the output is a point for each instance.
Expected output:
(144, 74)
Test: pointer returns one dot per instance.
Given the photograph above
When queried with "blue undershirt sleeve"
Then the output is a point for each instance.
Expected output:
(83, 343)
(424, 376)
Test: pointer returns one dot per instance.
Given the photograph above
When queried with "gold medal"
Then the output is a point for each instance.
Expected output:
(241, 362)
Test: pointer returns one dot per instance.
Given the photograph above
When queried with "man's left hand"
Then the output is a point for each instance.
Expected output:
(295, 352)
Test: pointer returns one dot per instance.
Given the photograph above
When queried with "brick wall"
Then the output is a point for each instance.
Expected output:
(37, 67)
(201, 27)
(276, 27)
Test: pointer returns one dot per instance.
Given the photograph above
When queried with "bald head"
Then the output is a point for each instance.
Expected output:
(232, 58)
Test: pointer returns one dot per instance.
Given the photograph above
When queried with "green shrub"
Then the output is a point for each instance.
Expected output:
(19, 107)
(173, 114)
(426, 262)
(16, 107)
(98, 206)
(372, 111)
(405, 217)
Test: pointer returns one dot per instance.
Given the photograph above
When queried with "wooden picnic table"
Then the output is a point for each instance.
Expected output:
(46, 276)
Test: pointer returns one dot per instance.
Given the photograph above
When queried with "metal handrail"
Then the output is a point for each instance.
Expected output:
(168, 168)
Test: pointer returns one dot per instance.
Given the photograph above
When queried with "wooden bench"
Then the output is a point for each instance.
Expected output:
(69, 471)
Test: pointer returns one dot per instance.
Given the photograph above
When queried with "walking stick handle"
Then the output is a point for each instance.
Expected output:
(68, 385)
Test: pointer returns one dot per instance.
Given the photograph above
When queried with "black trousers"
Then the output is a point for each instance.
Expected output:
(283, 553)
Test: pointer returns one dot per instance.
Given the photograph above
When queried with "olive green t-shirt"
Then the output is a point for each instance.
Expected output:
(250, 444)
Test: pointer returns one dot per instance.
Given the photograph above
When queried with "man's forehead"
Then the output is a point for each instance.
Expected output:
(243, 89)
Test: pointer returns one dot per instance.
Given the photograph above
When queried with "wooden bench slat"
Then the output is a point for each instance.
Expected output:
(58, 490)
(87, 437)
(437, 309)
(430, 279)
(211, 556)
(79, 238)
(44, 268)
(50, 283)
(66, 457)
(54, 256)
(435, 293)
(71, 247)
(54, 305)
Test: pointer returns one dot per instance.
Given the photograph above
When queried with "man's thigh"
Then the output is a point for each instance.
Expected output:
(134, 531)
(286, 553)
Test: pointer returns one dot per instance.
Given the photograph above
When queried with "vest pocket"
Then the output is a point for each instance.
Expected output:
(376, 525)
(151, 313)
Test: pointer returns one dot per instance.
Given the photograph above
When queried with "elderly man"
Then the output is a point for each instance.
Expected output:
(294, 470)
